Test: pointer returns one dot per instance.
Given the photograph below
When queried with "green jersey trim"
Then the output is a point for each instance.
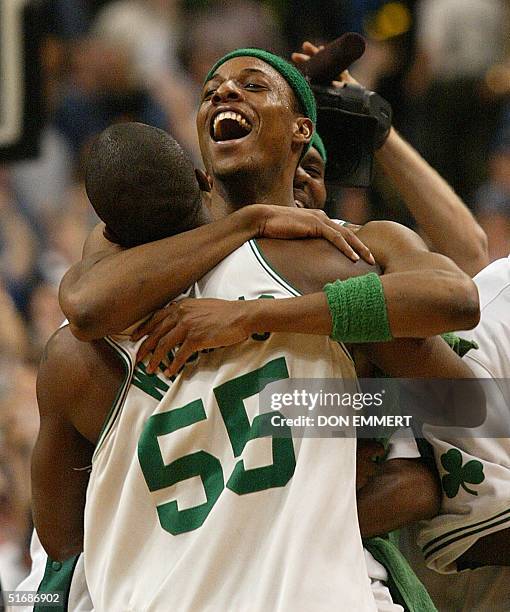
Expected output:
(121, 394)
(465, 532)
(274, 274)
(58, 576)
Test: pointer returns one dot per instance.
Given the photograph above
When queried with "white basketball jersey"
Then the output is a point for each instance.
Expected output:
(190, 508)
(466, 517)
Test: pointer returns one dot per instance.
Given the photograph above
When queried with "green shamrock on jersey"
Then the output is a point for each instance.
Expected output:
(459, 474)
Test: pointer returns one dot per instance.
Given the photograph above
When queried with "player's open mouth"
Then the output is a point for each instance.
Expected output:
(228, 125)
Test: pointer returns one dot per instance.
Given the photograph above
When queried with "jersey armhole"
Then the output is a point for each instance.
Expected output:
(283, 282)
(268, 268)
(120, 398)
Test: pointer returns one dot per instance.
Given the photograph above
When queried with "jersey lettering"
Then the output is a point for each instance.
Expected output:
(230, 398)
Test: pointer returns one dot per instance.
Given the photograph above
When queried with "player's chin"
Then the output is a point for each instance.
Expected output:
(231, 157)
(301, 199)
(227, 153)
(228, 165)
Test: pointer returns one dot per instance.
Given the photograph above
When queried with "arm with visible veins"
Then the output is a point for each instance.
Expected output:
(425, 294)
(112, 288)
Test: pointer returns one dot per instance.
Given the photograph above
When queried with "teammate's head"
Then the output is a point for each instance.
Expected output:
(309, 186)
(257, 114)
(141, 184)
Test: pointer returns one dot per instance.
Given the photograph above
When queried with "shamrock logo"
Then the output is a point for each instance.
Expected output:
(459, 474)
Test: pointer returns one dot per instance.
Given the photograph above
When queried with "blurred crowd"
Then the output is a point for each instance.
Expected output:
(443, 64)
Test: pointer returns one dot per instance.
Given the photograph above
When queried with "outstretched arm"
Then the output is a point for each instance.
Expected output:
(112, 288)
(425, 294)
(445, 220)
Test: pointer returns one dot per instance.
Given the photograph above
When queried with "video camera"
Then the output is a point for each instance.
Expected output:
(353, 123)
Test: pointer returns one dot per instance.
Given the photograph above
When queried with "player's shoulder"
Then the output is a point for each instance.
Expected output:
(390, 232)
(62, 358)
(311, 263)
(69, 365)
(57, 378)
(64, 352)
(56, 352)
(391, 242)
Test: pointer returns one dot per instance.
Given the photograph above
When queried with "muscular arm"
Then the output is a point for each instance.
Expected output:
(444, 218)
(112, 288)
(59, 483)
(493, 549)
(412, 482)
(76, 385)
(426, 293)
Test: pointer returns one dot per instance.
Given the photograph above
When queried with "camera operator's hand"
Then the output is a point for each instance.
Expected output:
(445, 220)
(309, 50)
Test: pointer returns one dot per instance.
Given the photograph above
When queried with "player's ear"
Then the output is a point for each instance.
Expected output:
(303, 130)
(203, 180)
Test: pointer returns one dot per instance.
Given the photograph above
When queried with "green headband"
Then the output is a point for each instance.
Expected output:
(319, 145)
(291, 74)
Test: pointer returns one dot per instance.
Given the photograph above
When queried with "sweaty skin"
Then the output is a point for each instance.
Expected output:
(261, 168)
(75, 396)
(253, 168)
(420, 287)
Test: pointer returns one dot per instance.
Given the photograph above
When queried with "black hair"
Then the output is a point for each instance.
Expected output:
(141, 184)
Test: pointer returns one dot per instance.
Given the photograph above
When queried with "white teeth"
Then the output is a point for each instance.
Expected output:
(231, 115)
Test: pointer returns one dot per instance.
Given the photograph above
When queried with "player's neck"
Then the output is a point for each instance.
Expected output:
(230, 195)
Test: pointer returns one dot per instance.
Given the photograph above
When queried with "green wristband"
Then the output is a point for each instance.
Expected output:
(358, 310)
(459, 345)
